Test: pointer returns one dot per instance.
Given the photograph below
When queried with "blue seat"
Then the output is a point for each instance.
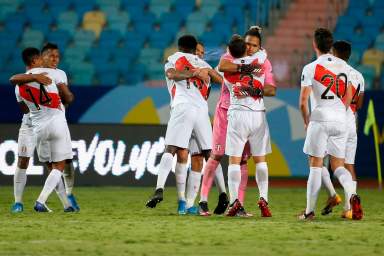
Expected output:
(135, 74)
(347, 20)
(59, 37)
(41, 22)
(122, 56)
(15, 22)
(109, 38)
(68, 21)
(99, 56)
(58, 6)
(119, 22)
(358, 14)
(82, 7)
(84, 38)
(358, 4)
(185, 6)
(134, 40)
(160, 39)
(108, 78)
(212, 39)
(134, 8)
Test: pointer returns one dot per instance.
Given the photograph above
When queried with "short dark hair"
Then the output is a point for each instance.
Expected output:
(237, 46)
(187, 43)
(29, 54)
(342, 49)
(49, 46)
(323, 39)
(254, 31)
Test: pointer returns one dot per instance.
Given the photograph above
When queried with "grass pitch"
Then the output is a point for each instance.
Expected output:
(114, 221)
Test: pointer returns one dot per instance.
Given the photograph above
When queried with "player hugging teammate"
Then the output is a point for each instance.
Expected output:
(247, 78)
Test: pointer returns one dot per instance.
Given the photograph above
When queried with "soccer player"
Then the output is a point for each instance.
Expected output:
(51, 59)
(26, 143)
(246, 121)
(188, 80)
(328, 78)
(342, 50)
(53, 140)
(253, 43)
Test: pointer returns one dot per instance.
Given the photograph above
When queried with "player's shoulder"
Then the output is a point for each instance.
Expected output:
(310, 66)
(61, 72)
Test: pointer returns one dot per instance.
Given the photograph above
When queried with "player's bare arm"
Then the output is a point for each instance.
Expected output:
(23, 107)
(227, 66)
(178, 75)
(215, 76)
(304, 96)
(269, 90)
(360, 101)
(27, 78)
(348, 96)
(65, 94)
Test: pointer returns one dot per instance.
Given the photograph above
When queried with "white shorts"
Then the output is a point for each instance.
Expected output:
(351, 146)
(187, 119)
(26, 141)
(54, 142)
(194, 146)
(325, 138)
(246, 126)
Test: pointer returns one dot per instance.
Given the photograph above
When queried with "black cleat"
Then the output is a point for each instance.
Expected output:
(155, 199)
(203, 209)
(222, 204)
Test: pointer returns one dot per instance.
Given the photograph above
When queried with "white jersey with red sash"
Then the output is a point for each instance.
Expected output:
(255, 80)
(44, 102)
(192, 90)
(328, 76)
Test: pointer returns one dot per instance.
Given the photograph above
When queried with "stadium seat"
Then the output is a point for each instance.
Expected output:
(135, 74)
(375, 58)
(109, 38)
(59, 37)
(15, 22)
(81, 7)
(158, 7)
(134, 40)
(41, 22)
(368, 73)
(55, 7)
(84, 38)
(155, 71)
(196, 23)
(74, 54)
(119, 22)
(107, 3)
(149, 55)
(82, 73)
(355, 57)
(122, 56)
(160, 39)
(209, 8)
(7, 7)
(68, 21)
(133, 7)
(94, 21)
(32, 38)
(186, 6)
(212, 39)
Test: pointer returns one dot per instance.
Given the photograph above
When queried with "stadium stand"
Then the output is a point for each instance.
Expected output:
(128, 35)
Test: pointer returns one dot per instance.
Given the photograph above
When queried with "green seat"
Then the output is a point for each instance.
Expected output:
(84, 38)
(32, 38)
(7, 7)
(368, 73)
(82, 73)
(149, 55)
(68, 21)
(119, 22)
(158, 7)
(74, 54)
(209, 8)
(196, 23)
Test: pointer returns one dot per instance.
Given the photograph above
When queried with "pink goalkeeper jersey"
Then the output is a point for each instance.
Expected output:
(224, 100)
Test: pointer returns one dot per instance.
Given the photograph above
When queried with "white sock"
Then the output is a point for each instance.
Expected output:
(345, 179)
(50, 183)
(313, 188)
(60, 191)
(69, 177)
(219, 180)
(19, 181)
(354, 187)
(181, 179)
(326, 182)
(193, 187)
(261, 174)
(165, 167)
(234, 178)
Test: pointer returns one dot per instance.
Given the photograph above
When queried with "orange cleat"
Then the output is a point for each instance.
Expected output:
(331, 202)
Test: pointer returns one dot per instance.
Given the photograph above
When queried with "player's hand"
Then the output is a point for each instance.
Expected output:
(202, 74)
(42, 79)
(239, 91)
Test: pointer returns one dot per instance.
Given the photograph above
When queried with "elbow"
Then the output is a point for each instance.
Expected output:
(68, 99)
(12, 80)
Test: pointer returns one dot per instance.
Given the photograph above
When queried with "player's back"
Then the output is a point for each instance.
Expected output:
(190, 90)
(43, 101)
(328, 76)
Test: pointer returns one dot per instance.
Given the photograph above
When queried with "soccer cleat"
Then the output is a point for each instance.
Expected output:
(192, 210)
(243, 213)
(347, 214)
(73, 202)
(309, 216)
(357, 210)
(17, 207)
(39, 207)
(331, 202)
(222, 204)
(69, 209)
(234, 208)
(264, 209)
(181, 207)
(203, 209)
(155, 199)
